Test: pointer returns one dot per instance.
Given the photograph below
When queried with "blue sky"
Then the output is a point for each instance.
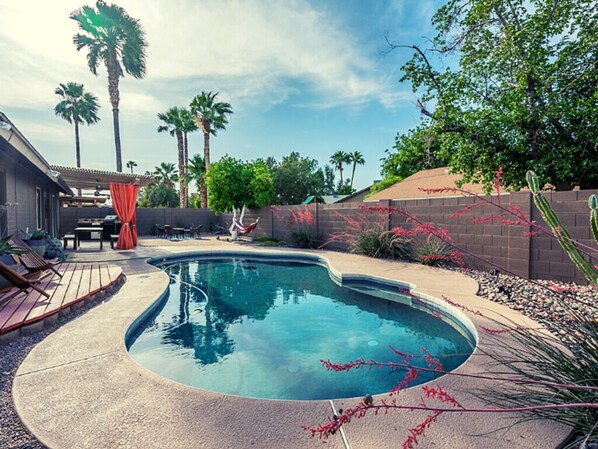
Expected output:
(301, 75)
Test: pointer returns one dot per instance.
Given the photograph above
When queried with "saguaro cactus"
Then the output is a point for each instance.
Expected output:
(561, 233)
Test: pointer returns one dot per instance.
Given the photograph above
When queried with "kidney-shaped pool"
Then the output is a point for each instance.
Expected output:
(260, 328)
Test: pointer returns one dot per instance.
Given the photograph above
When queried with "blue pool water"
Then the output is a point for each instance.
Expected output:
(259, 328)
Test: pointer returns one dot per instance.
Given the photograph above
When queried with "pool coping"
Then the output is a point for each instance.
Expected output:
(80, 388)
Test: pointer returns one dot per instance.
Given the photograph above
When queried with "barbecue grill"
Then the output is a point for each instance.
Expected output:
(111, 226)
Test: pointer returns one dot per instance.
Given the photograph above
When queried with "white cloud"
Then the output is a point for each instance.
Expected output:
(253, 51)
(50, 133)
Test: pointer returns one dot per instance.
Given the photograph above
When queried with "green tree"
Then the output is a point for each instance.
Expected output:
(196, 169)
(165, 173)
(514, 83)
(232, 182)
(114, 38)
(355, 158)
(209, 116)
(158, 195)
(131, 164)
(337, 160)
(419, 149)
(174, 123)
(295, 178)
(329, 188)
(76, 106)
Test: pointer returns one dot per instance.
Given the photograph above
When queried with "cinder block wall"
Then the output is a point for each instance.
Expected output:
(505, 246)
(146, 217)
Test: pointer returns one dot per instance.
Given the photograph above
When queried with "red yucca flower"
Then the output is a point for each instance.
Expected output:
(301, 217)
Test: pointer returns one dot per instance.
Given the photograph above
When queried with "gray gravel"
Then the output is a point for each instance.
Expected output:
(537, 300)
(531, 300)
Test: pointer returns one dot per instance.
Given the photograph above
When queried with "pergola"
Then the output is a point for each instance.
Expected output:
(123, 188)
(98, 180)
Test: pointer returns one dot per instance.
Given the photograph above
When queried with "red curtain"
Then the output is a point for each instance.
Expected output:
(124, 198)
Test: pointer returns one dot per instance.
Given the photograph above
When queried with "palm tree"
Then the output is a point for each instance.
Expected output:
(165, 173)
(355, 158)
(174, 124)
(209, 116)
(337, 160)
(131, 164)
(188, 126)
(196, 169)
(76, 106)
(116, 39)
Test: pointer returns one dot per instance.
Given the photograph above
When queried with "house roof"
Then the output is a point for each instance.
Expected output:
(16, 139)
(331, 199)
(349, 198)
(435, 178)
(87, 178)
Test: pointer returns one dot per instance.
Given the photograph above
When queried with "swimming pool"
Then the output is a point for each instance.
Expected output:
(259, 328)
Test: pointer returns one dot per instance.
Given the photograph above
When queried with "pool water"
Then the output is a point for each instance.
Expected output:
(259, 329)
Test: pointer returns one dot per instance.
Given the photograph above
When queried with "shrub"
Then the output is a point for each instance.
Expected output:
(433, 252)
(305, 238)
(381, 245)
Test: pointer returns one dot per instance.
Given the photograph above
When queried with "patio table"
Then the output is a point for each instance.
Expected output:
(180, 232)
(90, 229)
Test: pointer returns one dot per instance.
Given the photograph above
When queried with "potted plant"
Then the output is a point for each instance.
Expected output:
(36, 240)
(6, 252)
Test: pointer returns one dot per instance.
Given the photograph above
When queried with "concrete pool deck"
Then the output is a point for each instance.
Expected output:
(79, 388)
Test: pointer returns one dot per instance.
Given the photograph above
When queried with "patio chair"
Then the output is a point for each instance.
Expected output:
(19, 281)
(195, 231)
(160, 230)
(32, 261)
(168, 232)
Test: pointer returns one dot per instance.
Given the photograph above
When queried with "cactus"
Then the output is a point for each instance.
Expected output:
(561, 233)
(593, 204)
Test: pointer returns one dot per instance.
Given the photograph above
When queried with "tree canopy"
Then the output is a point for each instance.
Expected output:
(232, 182)
(420, 149)
(514, 85)
(113, 37)
(76, 106)
(297, 177)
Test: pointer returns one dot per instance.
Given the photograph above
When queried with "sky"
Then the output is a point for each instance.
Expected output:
(310, 76)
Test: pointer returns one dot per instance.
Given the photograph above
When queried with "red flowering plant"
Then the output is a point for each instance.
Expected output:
(301, 223)
(367, 234)
(540, 374)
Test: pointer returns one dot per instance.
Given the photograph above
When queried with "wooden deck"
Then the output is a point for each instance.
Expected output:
(79, 282)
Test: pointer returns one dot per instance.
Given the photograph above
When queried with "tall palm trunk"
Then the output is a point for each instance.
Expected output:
(353, 173)
(184, 200)
(77, 150)
(206, 149)
(206, 156)
(186, 141)
(113, 76)
(203, 194)
(77, 144)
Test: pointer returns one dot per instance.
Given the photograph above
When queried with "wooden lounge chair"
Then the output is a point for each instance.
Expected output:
(19, 281)
(32, 261)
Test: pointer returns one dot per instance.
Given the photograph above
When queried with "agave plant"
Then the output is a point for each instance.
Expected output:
(7, 248)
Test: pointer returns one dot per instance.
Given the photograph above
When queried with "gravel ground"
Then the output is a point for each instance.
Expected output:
(530, 299)
(536, 299)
